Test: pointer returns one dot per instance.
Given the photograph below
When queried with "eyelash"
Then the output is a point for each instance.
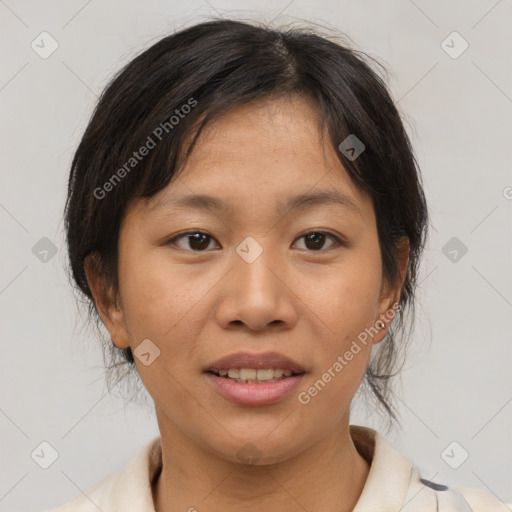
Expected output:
(174, 239)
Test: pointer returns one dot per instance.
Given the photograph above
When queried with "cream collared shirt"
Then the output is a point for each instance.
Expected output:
(393, 485)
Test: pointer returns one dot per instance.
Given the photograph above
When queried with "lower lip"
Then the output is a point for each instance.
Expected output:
(253, 393)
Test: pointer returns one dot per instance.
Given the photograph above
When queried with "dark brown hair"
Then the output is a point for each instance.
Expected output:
(213, 67)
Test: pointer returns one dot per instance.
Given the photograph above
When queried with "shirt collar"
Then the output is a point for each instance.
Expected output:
(390, 472)
(385, 489)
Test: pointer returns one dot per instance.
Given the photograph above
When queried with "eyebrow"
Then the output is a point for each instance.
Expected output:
(296, 202)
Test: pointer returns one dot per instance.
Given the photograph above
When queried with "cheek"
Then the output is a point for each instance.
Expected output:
(161, 303)
(168, 304)
(156, 298)
(357, 299)
(347, 299)
(343, 348)
(348, 308)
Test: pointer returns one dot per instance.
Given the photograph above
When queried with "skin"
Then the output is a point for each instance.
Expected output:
(198, 305)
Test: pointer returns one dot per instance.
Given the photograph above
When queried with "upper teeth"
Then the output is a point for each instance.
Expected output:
(253, 374)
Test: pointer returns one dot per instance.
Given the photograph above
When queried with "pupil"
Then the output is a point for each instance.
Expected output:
(314, 237)
(198, 238)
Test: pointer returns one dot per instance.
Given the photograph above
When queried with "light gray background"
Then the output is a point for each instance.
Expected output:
(457, 382)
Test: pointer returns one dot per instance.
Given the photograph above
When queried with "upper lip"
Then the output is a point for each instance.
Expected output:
(264, 360)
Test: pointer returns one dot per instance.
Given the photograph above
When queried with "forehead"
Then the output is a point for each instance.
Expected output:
(269, 128)
(265, 151)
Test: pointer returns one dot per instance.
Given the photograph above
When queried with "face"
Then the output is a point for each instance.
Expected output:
(254, 272)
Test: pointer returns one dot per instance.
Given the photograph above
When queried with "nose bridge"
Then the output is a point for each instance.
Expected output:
(256, 264)
(256, 295)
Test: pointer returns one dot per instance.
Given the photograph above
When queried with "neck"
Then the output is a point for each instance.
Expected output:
(328, 476)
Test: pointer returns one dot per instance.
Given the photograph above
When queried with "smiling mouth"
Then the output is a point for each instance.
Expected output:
(255, 376)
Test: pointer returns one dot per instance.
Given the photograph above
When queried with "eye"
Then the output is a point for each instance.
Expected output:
(316, 239)
(197, 240)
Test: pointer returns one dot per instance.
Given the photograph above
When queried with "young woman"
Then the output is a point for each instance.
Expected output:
(246, 217)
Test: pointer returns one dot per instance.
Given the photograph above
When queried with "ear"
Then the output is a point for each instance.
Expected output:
(110, 312)
(390, 294)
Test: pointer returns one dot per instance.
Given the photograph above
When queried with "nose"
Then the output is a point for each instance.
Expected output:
(258, 295)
